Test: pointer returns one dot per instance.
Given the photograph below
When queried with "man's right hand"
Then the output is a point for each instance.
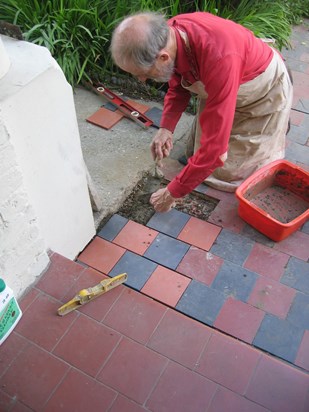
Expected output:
(161, 145)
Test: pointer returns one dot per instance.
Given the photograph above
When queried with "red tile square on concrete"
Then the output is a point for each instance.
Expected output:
(181, 390)
(166, 285)
(279, 387)
(105, 118)
(101, 255)
(297, 244)
(82, 345)
(33, 376)
(223, 362)
(135, 315)
(239, 319)
(123, 404)
(175, 334)
(226, 215)
(227, 401)
(135, 237)
(198, 233)
(79, 393)
(200, 265)
(302, 358)
(272, 297)
(266, 261)
(133, 370)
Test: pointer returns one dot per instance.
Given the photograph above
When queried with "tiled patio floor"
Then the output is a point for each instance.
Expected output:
(214, 316)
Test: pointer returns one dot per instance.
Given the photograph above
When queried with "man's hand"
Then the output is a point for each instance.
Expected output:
(162, 200)
(161, 145)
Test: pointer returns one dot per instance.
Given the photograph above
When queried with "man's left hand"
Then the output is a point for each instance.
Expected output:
(162, 200)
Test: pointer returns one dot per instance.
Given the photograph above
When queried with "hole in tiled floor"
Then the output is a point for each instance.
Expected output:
(136, 207)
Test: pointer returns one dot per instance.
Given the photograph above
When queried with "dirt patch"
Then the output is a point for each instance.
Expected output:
(137, 208)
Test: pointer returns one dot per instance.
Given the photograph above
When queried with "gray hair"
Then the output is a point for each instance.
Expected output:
(139, 38)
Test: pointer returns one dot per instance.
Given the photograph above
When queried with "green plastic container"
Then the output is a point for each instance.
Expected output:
(10, 312)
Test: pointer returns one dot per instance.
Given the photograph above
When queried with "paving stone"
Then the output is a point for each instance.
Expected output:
(232, 246)
(299, 312)
(297, 135)
(199, 233)
(297, 153)
(305, 228)
(256, 236)
(167, 251)
(137, 267)
(279, 337)
(111, 229)
(201, 303)
(170, 223)
(296, 275)
(302, 358)
(234, 281)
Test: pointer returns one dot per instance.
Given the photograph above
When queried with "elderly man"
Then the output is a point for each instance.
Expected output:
(244, 90)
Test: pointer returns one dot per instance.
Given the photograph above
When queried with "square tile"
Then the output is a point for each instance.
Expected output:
(133, 370)
(279, 337)
(239, 319)
(135, 237)
(10, 349)
(232, 246)
(111, 229)
(200, 265)
(79, 392)
(226, 215)
(272, 297)
(175, 334)
(201, 303)
(302, 358)
(256, 236)
(170, 223)
(181, 390)
(299, 312)
(101, 255)
(225, 400)
(166, 286)
(105, 118)
(278, 387)
(166, 251)
(295, 245)
(266, 261)
(296, 275)
(26, 300)
(234, 281)
(137, 267)
(224, 358)
(82, 345)
(198, 233)
(135, 316)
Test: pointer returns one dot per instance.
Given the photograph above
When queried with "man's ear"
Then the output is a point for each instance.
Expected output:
(163, 56)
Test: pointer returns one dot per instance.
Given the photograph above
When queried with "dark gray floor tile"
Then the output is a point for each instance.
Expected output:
(111, 229)
(296, 275)
(170, 223)
(299, 311)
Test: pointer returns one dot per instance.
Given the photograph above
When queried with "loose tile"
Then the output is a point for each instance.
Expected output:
(170, 223)
(181, 390)
(279, 337)
(201, 303)
(135, 237)
(101, 255)
(132, 370)
(232, 246)
(175, 334)
(225, 400)
(166, 251)
(234, 281)
(296, 275)
(239, 319)
(302, 358)
(111, 229)
(198, 233)
(137, 267)
(299, 312)
(266, 261)
(200, 265)
(166, 286)
(224, 358)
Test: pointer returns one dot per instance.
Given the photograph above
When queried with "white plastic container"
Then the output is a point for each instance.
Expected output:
(10, 312)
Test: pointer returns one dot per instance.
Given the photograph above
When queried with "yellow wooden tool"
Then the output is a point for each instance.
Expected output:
(86, 295)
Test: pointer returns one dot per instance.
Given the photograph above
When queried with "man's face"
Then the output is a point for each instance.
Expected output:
(161, 71)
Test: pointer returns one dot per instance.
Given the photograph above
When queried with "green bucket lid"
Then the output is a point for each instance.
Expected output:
(2, 285)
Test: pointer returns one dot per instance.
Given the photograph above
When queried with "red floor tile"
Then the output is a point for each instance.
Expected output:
(296, 245)
(181, 390)
(27, 299)
(123, 404)
(175, 328)
(228, 362)
(101, 255)
(105, 118)
(227, 401)
(166, 286)
(82, 346)
(198, 233)
(279, 387)
(267, 261)
(79, 393)
(135, 237)
(19, 407)
(133, 370)
(302, 358)
(135, 315)
(272, 297)
(33, 376)
(239, 319)
(10, 349)
(226, 215)
(200, 265)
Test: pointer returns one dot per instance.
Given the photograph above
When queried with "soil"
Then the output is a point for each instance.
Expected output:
(137, 207)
